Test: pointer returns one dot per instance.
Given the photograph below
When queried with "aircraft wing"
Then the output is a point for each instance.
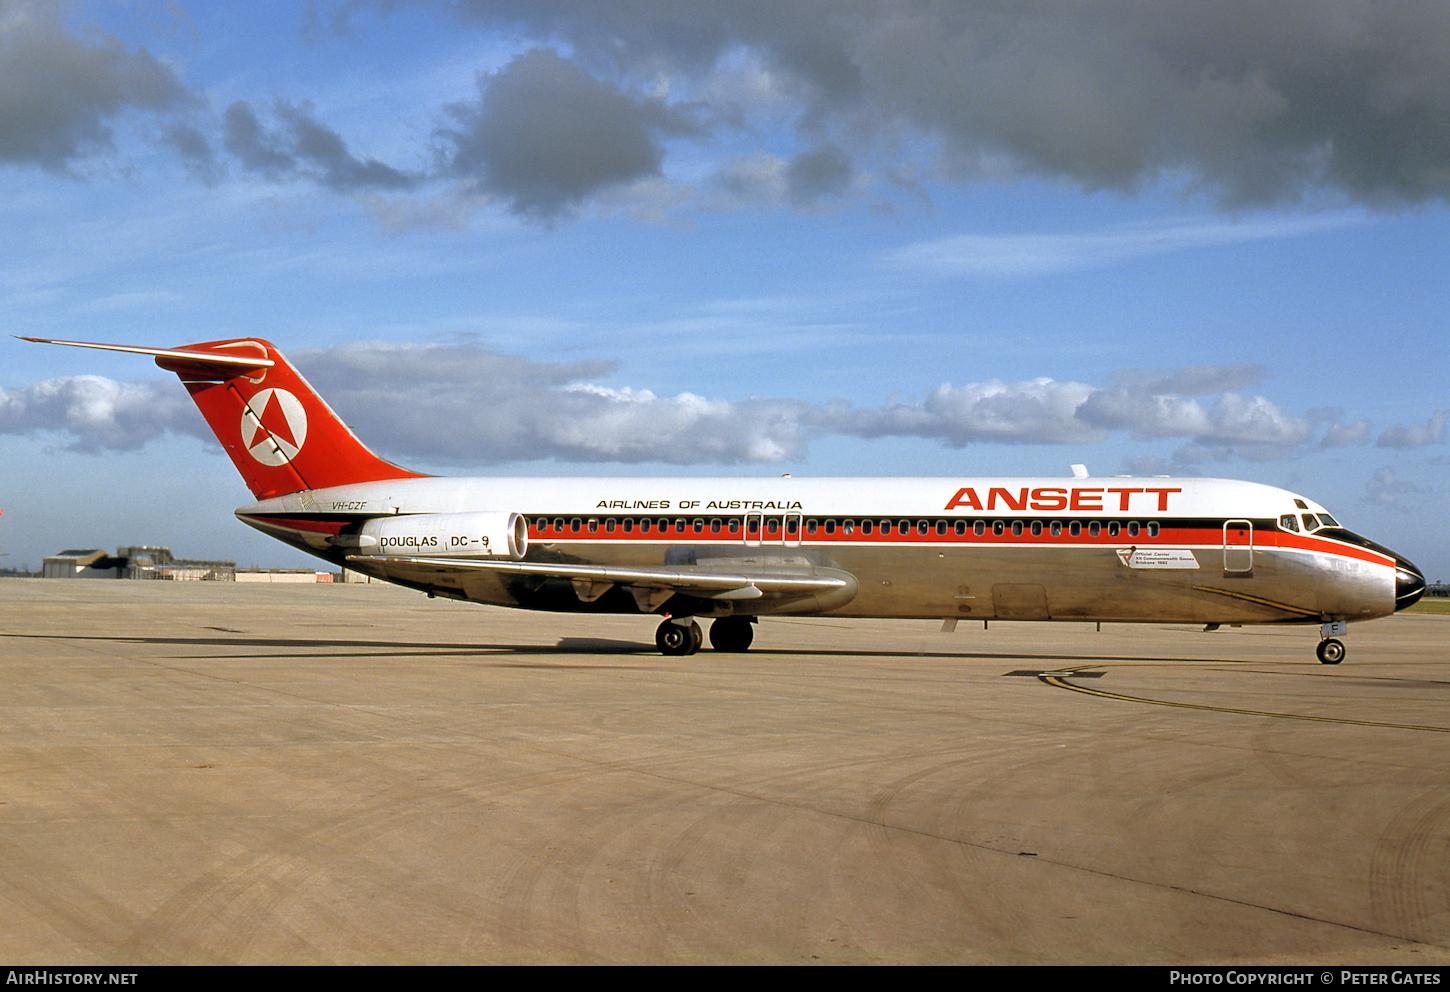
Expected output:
(651, 586)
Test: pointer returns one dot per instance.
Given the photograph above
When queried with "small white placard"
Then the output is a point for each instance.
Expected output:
(1157, 558)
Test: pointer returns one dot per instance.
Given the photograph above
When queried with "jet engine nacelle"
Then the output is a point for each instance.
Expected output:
(491, 535)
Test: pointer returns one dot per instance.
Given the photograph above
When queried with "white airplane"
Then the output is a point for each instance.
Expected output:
(1207, 551)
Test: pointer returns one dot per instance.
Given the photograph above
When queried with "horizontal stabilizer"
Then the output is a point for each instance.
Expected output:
(187, 362)
(281, 436)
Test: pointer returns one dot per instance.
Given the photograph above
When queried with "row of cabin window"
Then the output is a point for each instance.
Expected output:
(849, 527)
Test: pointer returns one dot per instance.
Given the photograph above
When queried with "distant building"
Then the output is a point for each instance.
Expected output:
(135, 563)
(282, 575)
(141, 562)
(82, 564)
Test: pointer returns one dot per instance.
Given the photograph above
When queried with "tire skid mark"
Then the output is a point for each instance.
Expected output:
(1409, 878)
(1059, 680)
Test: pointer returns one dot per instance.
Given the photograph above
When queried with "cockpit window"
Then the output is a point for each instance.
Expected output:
(1288, 522)
(1313, 522)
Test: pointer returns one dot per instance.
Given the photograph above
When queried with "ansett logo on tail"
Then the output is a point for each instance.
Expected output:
(274, 426)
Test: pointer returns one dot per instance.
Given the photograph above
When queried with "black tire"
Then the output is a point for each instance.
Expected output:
(678, 639)
(732, 634)
(1331, 651)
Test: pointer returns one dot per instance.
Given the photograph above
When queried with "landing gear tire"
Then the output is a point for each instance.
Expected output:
(732, 634)
(1331, 651)
(678, 639)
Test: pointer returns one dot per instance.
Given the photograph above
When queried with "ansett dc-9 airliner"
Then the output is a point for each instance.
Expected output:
(1201, 551)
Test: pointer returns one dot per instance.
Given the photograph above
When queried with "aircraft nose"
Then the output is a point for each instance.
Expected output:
(1409, 584)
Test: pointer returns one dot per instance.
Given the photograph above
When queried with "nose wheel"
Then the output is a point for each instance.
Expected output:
(1330, 651)
(679, 638)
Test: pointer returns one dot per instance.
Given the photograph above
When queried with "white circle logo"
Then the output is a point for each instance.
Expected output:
(274, 426)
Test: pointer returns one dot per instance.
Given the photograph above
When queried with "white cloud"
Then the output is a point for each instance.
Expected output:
(1388, 490)
(1416, 435)
(1012, 255)
(99, 413)
(1340, 435)
(462, 404)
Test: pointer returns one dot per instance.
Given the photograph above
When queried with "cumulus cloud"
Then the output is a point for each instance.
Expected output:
(302, 146)
(544, 134)
(1041, 411)
(100, 414)
(1166, 403)
(824, 173)
(1336, 433)
(1340, 435)
(1252, 420)
(1386, 489)
(1255, 104)
(59, 95)
(463, 404)
(1416, 435)
(195, 150)
(814, 100)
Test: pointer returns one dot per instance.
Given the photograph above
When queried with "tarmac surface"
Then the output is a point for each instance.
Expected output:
(222, 773)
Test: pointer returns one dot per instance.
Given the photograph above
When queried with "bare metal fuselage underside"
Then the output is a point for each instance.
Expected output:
(938, 576)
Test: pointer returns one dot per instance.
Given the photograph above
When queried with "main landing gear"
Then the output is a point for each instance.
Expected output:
(674, 637)
(732, 634)
(681, 635)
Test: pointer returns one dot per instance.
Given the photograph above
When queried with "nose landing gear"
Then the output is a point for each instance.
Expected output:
(1331, 649)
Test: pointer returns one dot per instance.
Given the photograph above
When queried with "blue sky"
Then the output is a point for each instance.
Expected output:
(866, 237)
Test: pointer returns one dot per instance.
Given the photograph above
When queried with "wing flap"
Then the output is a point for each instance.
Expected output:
(592, 581)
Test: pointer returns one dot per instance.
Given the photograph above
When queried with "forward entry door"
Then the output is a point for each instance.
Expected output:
(1238, 547)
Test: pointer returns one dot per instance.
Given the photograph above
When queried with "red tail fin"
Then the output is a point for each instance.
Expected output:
(279, 433)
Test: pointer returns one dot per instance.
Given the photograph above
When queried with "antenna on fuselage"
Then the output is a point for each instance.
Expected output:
(1079, 472)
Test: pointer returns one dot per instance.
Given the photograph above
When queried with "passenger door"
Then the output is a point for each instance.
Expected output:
(1238, 547)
